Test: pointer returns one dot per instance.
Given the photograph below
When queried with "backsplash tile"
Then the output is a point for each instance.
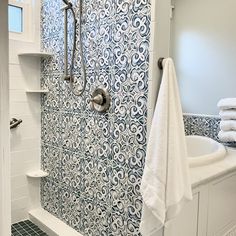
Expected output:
(95, 161)
(202, 125)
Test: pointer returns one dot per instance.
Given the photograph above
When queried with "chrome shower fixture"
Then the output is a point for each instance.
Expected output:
(68, 75)
(66, 2)
(100, 100)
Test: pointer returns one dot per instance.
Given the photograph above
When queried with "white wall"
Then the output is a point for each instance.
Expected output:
(25, 140)
(204, 50)
(159, 47)
(5, 217)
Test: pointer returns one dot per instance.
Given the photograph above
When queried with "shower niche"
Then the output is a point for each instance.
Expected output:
(27, 58)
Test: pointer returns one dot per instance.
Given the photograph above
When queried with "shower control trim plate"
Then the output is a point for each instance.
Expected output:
(100, 100)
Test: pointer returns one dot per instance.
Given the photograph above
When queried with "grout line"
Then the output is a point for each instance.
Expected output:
(31, 228)
(18, 231)
(25, 227)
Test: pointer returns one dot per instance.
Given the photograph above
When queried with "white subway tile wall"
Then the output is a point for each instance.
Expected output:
(25, 139)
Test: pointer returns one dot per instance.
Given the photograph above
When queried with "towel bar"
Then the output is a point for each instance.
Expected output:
(159, 63)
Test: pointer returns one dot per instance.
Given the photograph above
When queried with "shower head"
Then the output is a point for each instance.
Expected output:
(69, 4)
(66, 2)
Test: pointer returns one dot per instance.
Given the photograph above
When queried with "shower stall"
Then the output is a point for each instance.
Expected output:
(79, 80)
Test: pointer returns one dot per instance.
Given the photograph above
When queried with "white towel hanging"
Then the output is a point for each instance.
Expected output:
(166, 183)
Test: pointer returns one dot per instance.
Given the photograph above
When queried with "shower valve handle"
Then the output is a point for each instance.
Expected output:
(98, 99)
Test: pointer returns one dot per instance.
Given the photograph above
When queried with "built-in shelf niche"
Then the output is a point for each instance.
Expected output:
(35, 91)
(37, 55)
(37, 174)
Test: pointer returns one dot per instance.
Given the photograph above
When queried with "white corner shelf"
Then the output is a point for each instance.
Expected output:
(37, 91)
(36, 54)
(37, 174)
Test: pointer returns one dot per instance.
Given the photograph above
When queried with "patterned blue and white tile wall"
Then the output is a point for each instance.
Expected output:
(96, 160)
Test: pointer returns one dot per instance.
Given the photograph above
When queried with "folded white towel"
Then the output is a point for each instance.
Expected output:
(228, 136)
(228, 125)
(165, 183)
(227, 103)
(228, 114)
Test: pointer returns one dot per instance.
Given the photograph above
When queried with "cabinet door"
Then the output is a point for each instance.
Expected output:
(222, 207)
(186, 224)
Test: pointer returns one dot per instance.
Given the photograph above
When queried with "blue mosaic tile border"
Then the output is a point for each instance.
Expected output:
(202, 125)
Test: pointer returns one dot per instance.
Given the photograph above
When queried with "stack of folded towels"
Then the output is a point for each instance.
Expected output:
(228, 120)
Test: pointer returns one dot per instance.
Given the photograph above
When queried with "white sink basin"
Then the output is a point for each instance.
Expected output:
(203, 151)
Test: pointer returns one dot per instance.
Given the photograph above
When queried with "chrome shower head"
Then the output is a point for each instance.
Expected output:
(66, 2)
(69, 4)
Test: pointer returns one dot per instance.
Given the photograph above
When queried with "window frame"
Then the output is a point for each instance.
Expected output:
(27, 24)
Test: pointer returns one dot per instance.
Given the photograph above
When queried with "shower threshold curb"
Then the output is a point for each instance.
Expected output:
(50, 224)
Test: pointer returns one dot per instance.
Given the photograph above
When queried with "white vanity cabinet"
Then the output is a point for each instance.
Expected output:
(222, 207)
(212, 212)
(191, 221)
(187, 222)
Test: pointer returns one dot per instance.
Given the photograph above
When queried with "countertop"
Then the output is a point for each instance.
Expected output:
(204, 174)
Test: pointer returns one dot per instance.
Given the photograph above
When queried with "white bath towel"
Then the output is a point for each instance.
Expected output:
(166, 183)
(227, 136)
(228, 125)
(228, 114)
(227, 103)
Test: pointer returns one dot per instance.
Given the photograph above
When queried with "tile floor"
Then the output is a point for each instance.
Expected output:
(26, 228)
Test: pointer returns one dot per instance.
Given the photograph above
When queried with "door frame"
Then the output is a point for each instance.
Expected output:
(5, 183)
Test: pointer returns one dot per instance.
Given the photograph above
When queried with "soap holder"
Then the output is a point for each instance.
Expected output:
(37, 174)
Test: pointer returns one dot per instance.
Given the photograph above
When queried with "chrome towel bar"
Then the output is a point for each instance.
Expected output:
(160, 63)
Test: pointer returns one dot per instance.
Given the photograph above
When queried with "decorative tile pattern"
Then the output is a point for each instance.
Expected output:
(208, 126)
(202, 125)
(26, 228)
(96, 160)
